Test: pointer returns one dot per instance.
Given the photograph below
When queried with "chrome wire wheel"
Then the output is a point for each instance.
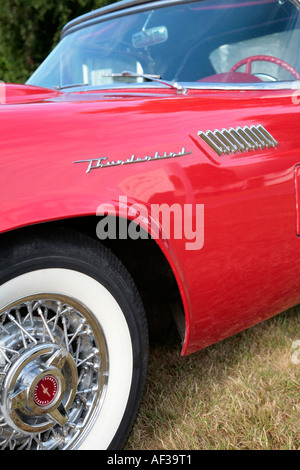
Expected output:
(53, 372)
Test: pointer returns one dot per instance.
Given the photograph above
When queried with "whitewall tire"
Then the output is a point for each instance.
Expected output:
(73, 346)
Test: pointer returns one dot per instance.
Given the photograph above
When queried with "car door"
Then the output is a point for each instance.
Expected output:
(246, 270)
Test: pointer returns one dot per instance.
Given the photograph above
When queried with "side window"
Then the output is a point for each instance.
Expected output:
(240, 42)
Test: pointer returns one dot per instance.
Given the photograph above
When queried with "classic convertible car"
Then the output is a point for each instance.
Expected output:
(149, 166)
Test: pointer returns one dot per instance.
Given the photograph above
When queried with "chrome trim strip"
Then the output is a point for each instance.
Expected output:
(267, 135)
(265, 86)
(239, 140)
(288, 85)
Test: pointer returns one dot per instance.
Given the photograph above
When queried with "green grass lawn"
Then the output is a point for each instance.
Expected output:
(242, 393)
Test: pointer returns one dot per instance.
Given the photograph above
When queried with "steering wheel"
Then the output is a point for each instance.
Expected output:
(265, 58)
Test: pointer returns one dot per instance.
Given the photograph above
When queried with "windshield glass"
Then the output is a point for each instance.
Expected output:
(236, 41)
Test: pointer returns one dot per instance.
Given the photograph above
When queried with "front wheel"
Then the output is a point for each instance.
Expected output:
(73, 346)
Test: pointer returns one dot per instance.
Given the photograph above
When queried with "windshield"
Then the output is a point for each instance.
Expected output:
(241, 41)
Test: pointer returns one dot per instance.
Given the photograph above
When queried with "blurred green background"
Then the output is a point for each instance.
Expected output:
(29, 29)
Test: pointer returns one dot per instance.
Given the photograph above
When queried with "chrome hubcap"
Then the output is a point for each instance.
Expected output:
(39, 389)
(53, 373)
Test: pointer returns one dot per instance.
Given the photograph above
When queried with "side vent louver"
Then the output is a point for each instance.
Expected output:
(240, 139)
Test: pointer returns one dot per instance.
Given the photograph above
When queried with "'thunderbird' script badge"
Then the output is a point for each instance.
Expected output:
(103, 162)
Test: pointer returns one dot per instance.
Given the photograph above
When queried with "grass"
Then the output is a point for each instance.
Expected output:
(242, 393)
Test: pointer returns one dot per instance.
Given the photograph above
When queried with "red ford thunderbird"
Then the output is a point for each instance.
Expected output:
(149, 166)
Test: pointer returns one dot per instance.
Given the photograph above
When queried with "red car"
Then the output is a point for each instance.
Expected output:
(149, 165)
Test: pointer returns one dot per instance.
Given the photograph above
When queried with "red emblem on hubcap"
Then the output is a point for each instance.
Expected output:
(46, 390)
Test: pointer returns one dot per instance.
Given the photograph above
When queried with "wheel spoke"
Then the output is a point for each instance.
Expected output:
(40, 312)
(39, 443)
(79, 329)
(10, 442)
(90, 356)
(12, 319)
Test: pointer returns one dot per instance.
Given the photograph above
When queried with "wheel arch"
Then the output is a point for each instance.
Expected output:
(163, 309)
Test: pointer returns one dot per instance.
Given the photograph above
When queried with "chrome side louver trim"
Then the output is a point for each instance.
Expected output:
(240, 139)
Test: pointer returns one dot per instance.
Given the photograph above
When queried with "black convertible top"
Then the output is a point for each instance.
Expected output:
(117, 7)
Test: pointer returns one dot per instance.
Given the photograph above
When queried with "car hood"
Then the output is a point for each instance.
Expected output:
(11, 94)
(19, 94)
